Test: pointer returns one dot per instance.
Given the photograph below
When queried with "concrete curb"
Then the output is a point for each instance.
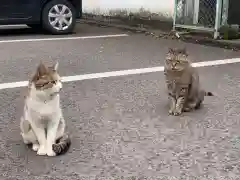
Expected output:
(185, 37)
(101, 23)
(211, 42)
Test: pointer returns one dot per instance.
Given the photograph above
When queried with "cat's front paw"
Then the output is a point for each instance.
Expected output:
(41, 151)
(24, 139)
(50, 152)
(170, 112)
(35, 147)
(187, 109)
(177, 112)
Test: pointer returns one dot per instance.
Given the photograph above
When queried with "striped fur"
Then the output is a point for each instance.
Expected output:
(183, 84)
(62, 145)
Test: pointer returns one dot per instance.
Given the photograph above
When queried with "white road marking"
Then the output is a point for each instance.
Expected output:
(63, 38)
(13, 26)
(121, 73)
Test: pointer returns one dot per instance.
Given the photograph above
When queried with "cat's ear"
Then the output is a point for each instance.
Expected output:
(41, 69)
(55, 66)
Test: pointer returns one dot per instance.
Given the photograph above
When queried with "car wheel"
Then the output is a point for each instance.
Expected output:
(59, 17)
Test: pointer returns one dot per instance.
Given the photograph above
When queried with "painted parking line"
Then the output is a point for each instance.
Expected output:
(120, 73)
(63, 38)
(13, 26)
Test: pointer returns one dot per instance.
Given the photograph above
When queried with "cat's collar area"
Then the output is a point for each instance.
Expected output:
(52, 96)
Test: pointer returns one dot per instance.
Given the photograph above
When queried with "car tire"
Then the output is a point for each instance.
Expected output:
(54, 28)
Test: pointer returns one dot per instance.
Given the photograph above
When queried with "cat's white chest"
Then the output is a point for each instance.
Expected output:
(44, 108)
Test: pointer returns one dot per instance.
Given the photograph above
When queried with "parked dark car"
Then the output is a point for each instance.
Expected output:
(54, 16)
(233, 12)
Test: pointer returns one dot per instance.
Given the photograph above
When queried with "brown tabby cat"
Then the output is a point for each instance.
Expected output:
(182, 81)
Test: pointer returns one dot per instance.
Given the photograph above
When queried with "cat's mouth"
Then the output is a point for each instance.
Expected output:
(174, 69)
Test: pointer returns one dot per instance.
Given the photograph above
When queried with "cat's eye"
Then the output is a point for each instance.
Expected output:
(39, 85)
(168, 60)
(54, 82)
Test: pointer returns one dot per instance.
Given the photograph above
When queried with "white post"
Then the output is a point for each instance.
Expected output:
(218, 18)
(225, 12)
(175, 14)
(196, 12)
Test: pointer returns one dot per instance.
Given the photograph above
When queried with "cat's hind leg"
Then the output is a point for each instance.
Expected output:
(193, 105)
(200, 99)
(60, 130)
(187, 109)
(196, 102)
(28, 135)
(190, 105)
(33, 139)
(38, 138)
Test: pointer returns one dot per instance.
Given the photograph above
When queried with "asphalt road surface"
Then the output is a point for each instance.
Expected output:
(119, 125)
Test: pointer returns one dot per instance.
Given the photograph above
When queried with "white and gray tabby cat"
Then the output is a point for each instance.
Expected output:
(184, 91)
(42, 123)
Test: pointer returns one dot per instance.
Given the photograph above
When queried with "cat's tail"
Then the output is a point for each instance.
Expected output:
(62, 145)
(208, 93)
